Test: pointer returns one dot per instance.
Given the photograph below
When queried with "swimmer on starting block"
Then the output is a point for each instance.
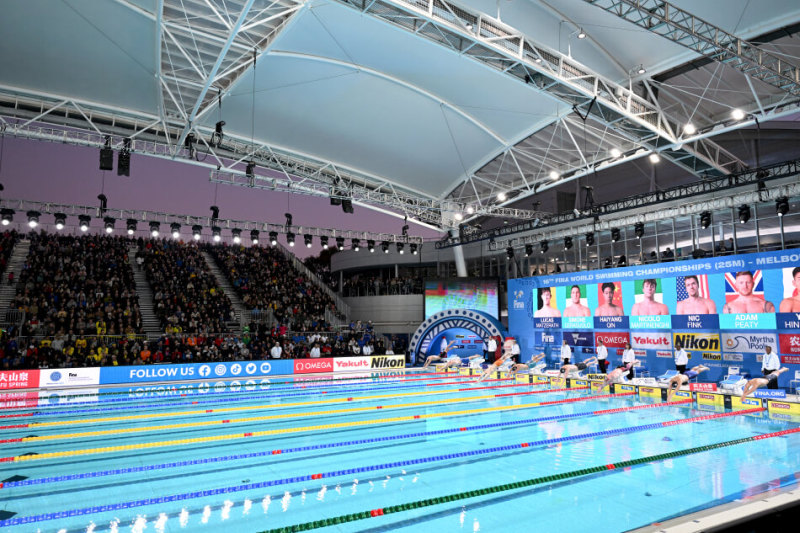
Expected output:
(763, 381)
(682, 379)
(442, 357)
(530, 364)
(494, 367)
(578, 367)
(617, 374)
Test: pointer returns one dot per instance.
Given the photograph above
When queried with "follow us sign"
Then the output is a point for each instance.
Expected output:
(227, 370)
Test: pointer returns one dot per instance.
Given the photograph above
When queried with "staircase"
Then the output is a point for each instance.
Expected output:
(15, 262)
(150, 322)
(239, 310)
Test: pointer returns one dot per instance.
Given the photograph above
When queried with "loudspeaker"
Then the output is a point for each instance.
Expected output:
(347, 206)
(106, 159)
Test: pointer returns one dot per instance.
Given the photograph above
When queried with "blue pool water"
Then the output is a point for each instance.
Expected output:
(145, 460)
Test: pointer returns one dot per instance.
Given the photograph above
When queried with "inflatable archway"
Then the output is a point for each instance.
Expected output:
(479, 323)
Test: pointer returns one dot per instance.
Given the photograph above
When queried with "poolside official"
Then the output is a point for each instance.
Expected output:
(770, 363)
(681, 358)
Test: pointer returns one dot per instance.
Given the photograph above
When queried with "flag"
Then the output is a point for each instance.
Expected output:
(702, 280)
(730, 285)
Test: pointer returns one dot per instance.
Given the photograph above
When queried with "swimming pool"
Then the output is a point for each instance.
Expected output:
(419, 451)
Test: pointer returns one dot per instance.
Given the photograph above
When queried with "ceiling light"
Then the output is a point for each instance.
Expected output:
(371, 246)
(528, 250)
(737, 114)
(84, 221)
(216, 233)
(689, 129)
(33, 218)
(567, 243)
(273, 238)
(638, 230)
(581, 34)
(130, 225)
(615, 235)
(197, 230)
(413, 249)
(385, 247)
(744, 213)
(108, 223)
(254, 236)
(324, 242)
(154, 227)
(616, 152)
(400, 248)
(590, 238)
(502, 196)
(175, 229)
(61, 221)
(782, 206)
(654, 158)
(237, 235)
(356, 244)
(308, 240)
(543, 246)
(510, 252)
(640, 69)
(470, 210)
(553, 175)
(459, 216)
(340, 243)
(705, 219)
(290, 238)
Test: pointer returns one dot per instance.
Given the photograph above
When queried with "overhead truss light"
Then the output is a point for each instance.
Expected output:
(744, 213)
(502, 196)
(108, 224)
(84, 221)
(705, 219)
(385, 247)
(414, 247)
(290, 238)
(61, 221)
(197, 231)
(254, 236)
(510, 252)
(689, 129)
(154, 227)
(324, 242)
(237, 235)
(616, 152)
(130, 226)
(638, 230)
(356, 244)
(273, 238)
(371, 246)
(590, 238)
(340, 243)
(737, 114)
(615, 234)
(175, 229)
(528, 250)
(7, 216)
(654, 158)
(400, 247)
(782, 206)
(33, 218)
(544, 246)
(567, 243)
(308, 240)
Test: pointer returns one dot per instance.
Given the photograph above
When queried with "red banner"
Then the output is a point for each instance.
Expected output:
(615, 339)
(307, 366)
(790, 343)
(19, 379)
(790, 359)
(703, 387)
(15, 400)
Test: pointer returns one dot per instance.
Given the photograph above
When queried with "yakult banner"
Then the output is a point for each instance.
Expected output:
(375, 362)
(209, 371)
(651, 341)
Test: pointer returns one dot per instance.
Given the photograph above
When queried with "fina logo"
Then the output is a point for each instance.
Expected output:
(55, 376)
(518, 303)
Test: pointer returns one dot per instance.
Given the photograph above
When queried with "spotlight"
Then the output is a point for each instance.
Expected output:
(413, 247)
(737, 114)
(528, 250)
(340, 243)
(640, 69)
(510, 252)
(347, 205)
(216, 233)
(197, 230)
(33, 218)
(705, 219)
(543, 247)
(502, 196)
(607, 262)
(581, 34)
(273, 238)
(130, 225)
(654, 158)
(308, 240)
(84, 221)
(459, 217)
(385, 247)
(250, 172)
(108, 223)
(216, 139)
(188, 143)
(154, 227)
(400, 247)
(616, 152)
(103, 203)
(288, 219)
(567, 243)
(290, 238)
(744, 213)
(107, 155)
(470, 210)
(590, 238)
(8, 216)
(622, 261)
(237, 235)
(553, 175)
(371, 246)
(638, 230)
(615, 235)
(782, 206)
(175, 228)
(254, 236)
(689, 129)
(124, 159)
(61, 221)
(324, 242)
(214, 212)
(356, 244)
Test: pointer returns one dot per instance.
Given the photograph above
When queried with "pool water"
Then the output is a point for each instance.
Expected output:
(414, 451)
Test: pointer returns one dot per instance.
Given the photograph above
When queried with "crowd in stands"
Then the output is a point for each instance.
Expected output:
(77, 286)
(266, 282)
(375, 286)
(7, 241)
(186, 296)
(322, 269)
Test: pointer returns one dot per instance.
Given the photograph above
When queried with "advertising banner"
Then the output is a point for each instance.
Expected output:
(375, 362)
(210, 371)
(789, 343)
(748, 342)
(651, 341)
(579, 338)
(708, 342)
(69, 377)
(19, 379)
(307, 366)
(18, 400)
(617, 339)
